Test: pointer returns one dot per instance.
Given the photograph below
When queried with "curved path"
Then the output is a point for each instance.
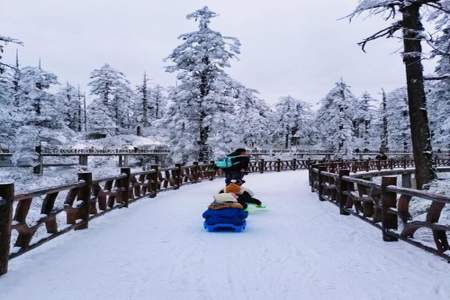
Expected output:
(299, 249)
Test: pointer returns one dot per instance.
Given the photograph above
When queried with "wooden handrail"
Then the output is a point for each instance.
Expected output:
(382, 203)
(51, 190)
(88, 199)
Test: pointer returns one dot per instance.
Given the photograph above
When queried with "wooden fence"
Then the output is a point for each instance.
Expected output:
(351, 186)
(76, 204)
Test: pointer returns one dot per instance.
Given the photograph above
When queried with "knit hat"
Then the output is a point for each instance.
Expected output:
(233, 188)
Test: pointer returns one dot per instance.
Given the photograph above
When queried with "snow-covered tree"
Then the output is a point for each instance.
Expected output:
(150, 103)
(122, 106)
(112, 108)
(38, 105)
(412, 35)
(439, 109)
(99, 117)
(364, 123)
(382, 123)
(39, 115)
(335, 120)
(293, 122)
(397, 116)
(70, 97)
(142, 103)
(158, 102)
(439, 91)
(7, 124)
(199, 101)
(4, 40)
(253, 117)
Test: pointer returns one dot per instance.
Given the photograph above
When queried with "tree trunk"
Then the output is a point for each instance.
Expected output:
(85, 113)
(385, 134)
(203, 129)
(202, 142)
(420, 131)
(286, 141)
(144, 102)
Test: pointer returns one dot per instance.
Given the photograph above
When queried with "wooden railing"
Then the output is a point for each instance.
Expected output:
(351, 186)
(74, 205)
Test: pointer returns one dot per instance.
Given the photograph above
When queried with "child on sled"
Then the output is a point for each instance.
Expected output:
(244, 195)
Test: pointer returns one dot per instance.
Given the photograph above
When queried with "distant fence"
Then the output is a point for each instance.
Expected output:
(349, 185)
(159, 153)
(83, 155)
(80, 202)
(327, 154)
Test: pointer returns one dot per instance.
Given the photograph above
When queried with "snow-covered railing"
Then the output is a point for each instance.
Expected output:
(158, 153)
(321, 152)
(351, 186)
(103, 152)
(58, 210)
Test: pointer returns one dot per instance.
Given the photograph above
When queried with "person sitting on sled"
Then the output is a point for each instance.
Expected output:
(244, 195)
(226, 200)
(240, 160)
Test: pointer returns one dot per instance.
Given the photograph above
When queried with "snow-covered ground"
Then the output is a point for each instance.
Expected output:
(299, 249)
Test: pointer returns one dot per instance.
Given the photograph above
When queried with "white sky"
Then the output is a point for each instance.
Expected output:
(295, 47)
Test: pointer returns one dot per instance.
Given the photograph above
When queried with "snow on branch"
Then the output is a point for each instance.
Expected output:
(376, 7)
(436, 78)
(391, 6)
(7, 39)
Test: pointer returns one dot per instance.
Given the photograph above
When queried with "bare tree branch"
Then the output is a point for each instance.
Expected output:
(386, 32)
(438, 6)
(443, 77)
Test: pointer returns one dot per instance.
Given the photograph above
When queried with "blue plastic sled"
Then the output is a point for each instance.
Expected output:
(225, 227)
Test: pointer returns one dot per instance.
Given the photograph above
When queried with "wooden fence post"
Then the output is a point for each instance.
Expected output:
(6, 208)
(342, 186)
(195, 171)
(403, 201)
(39, 168)
(213, 172)
(154, 184)
(84, 195)
(125, 185)
(178, 180)
(320, 180)
(83, 160)
(262, 165)
(278, 165)
(388, 201)
(294, 164)
(311, 177)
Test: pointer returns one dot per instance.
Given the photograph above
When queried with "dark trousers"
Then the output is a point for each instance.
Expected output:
(233, 175)
(247, 198)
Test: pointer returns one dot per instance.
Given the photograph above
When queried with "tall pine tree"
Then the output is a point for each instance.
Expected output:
(335, 120)
(199, 100)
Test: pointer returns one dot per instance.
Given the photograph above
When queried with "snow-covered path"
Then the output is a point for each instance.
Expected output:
(299, 249)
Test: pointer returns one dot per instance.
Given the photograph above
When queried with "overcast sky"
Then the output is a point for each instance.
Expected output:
(295, 47)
